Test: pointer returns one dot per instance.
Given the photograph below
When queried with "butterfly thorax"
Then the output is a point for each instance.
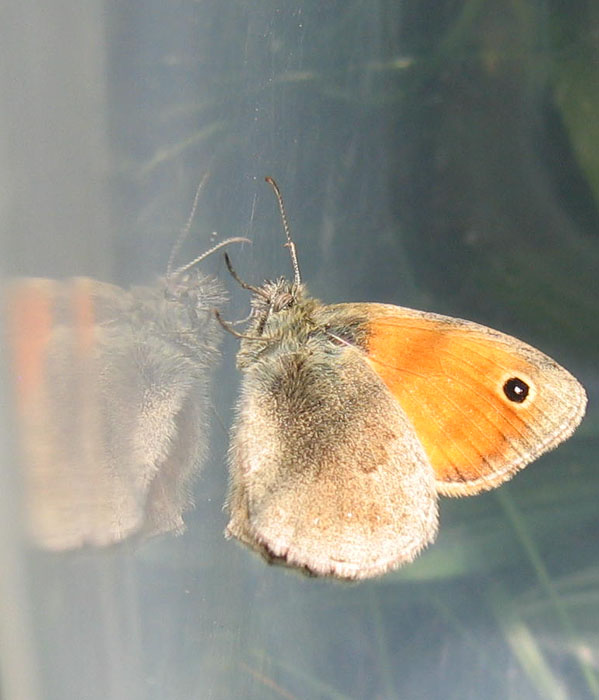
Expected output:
(284, 318)
(287, 321)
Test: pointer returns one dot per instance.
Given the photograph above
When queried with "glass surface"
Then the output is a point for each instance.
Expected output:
(441, 157)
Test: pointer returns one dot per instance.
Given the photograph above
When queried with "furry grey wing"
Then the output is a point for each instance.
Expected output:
(327, 474)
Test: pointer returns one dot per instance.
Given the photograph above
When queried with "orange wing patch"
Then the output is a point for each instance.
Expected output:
(29, 310)
(34, 308)
(449, 381)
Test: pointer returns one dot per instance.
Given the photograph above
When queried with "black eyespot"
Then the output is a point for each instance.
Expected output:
(516, 389)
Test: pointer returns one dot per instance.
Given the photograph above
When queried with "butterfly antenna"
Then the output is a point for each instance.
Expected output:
(241, 283)
(290, 244)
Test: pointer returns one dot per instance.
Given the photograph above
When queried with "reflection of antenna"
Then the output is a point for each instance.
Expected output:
(185, 232)
(201, 257)
(187, 228)
(290, 244)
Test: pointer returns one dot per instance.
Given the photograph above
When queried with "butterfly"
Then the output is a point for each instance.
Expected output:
(353, 418)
